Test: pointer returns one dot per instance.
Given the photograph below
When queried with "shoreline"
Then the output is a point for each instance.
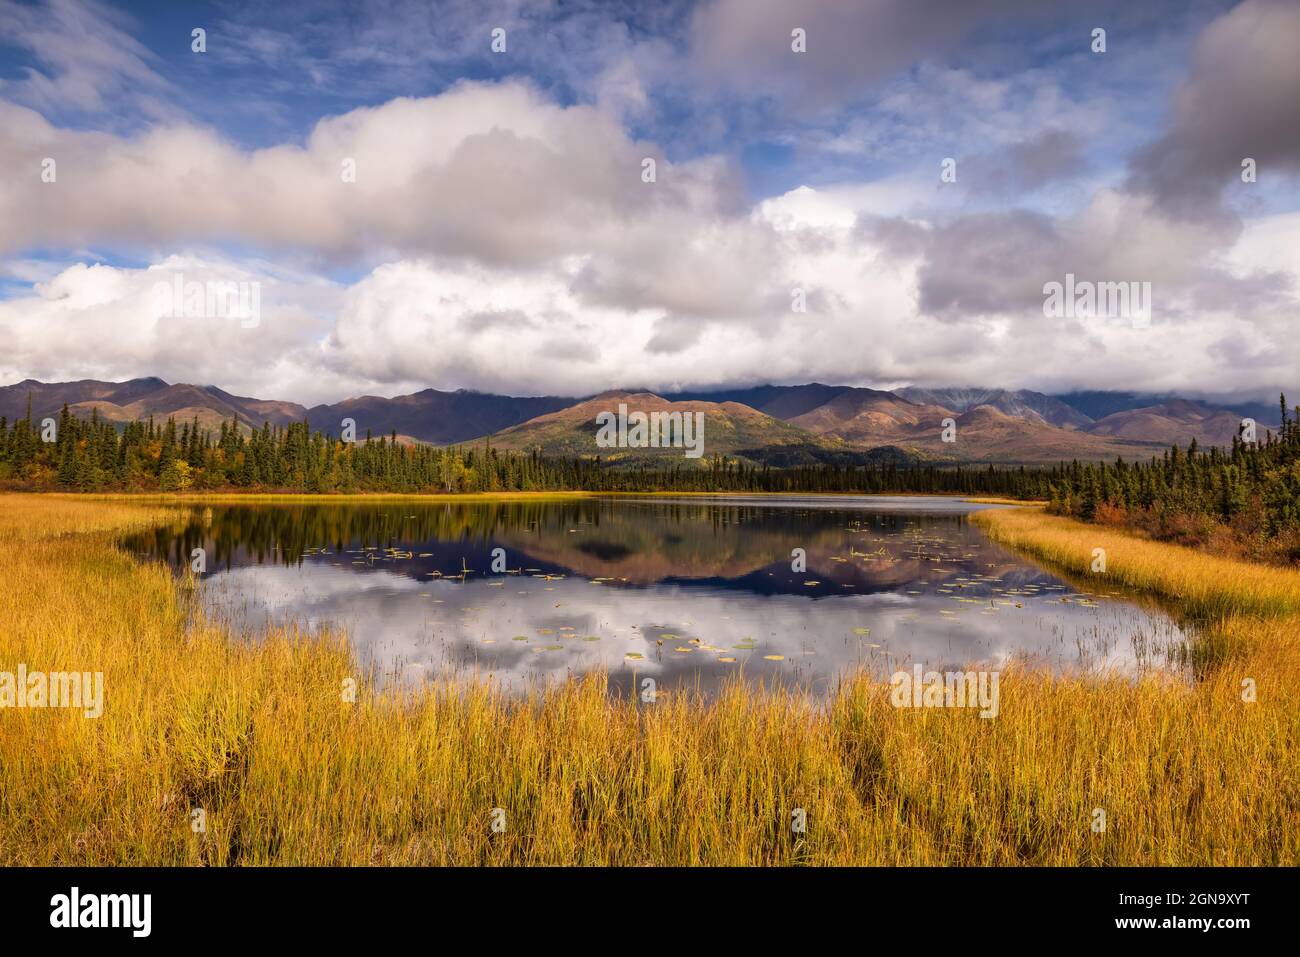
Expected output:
(574, 494)
(256, 733)
(1198, 582)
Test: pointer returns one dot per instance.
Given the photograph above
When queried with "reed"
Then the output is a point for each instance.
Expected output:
(1202, 584)
(258, 735)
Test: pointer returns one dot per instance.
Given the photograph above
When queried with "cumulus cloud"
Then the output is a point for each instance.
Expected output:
(746, 44)
(997, 262)
(491, 171)
(890, 302)
(1239, 100)
(500, 239)
(106, 322)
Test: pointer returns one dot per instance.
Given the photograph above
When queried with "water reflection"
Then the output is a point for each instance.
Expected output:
(682, 590)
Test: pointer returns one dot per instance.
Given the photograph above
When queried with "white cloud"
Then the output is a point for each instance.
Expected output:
(98, 321)
(84, 59)
(508, 243)
(449, 322)
(493, 171)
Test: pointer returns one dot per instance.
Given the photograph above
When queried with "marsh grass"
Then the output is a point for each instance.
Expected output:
(259, 736)
(308, 498)
(1203, 585)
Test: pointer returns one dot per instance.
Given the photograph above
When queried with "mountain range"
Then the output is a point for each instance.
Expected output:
(779, 425)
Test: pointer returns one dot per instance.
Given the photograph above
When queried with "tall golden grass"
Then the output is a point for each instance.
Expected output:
(311, 498)
(258, 736)
(1202, 584)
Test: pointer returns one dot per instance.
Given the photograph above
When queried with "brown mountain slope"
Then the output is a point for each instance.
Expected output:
(1177, 421)
(729, 429)
(185, 403)
(986, 434)
(1019, 404)
(440, 418)
(868, 417)
(138, 399)
(865, 419)
(427, 416)
(47, 398)
(777, 425)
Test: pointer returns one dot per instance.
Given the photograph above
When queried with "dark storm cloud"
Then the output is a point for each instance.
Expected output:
(996, 263)
(1241, 99)
(850, 45)
(989, 263)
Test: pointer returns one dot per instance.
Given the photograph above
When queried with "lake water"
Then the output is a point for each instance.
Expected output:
(684, 590)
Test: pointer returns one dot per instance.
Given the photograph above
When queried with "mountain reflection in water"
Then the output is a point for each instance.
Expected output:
(685, 591)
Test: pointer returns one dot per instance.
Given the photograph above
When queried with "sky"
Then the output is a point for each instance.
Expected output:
(544, 197)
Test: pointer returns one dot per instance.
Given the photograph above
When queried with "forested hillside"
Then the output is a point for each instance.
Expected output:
(1243, 499)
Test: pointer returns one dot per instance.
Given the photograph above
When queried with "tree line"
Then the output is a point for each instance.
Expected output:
(1248, 494)
(1243, 499)
(93, 454)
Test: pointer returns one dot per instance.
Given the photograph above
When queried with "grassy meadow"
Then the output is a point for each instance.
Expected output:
(258, 736)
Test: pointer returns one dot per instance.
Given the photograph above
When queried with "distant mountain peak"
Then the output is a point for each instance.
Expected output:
(995, 424)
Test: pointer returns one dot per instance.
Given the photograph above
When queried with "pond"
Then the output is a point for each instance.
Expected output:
(794, 590)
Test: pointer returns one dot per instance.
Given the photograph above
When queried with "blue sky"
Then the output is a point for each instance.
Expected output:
(273, 70)
(505, 184)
